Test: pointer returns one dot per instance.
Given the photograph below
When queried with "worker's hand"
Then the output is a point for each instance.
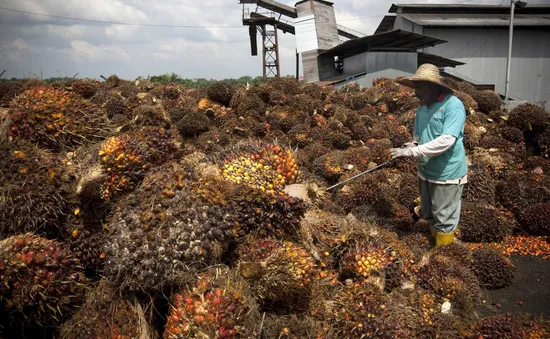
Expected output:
(410, 144)
(398, 152)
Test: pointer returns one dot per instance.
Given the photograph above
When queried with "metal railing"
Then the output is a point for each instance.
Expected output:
(247, 14)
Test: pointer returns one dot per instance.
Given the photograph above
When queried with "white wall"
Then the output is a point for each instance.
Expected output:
(484, 50)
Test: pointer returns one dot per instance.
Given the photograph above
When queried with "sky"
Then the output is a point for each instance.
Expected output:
(217, 47)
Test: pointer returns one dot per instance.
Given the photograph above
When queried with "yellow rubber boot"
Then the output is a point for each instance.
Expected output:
(442, 239)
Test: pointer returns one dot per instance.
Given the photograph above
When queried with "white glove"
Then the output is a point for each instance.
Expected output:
(400, 152)
(410, 144)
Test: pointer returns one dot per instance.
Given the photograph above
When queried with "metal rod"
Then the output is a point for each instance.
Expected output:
(297, 65)
(360, 174)
(509, 61)
(264, 39)
(277, 51)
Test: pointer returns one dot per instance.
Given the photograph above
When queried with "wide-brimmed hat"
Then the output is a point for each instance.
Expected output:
(425, 73)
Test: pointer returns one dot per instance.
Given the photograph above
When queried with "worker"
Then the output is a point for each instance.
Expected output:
(438, 146)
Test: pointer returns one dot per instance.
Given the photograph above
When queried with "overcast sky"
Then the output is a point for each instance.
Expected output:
(52, 46)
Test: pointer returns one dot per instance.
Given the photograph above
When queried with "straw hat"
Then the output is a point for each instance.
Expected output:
(425, 73)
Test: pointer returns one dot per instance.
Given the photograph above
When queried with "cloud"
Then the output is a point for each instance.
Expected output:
(82, 51)
(55, 45)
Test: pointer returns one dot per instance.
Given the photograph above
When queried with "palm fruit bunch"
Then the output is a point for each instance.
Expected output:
(115, 108)
(286, 84)
(193, 124)
(158, 141)
(487, 101)
(512, 134)
(127, 157)
(171, 91)
(480, 222)
(31, 189)
(256, 212)
(249, 105)
(543, 139)
(492, 268)
(481, 186)
(296, 327)
(380, 149)
(150, 115)
(366, 259)
(306, 104)
(499, 163)
(450, 280)
(536, 162)
(360, 311)
(375, 191)
(470, 104)
(359, 157)
(108, 315)
(300, 135)
(41, 278)
(528, 118)
(112, 81)
(456, 251)
(216, 306)
(534, 219)
(356, 101)
(282, 118)
(278, 98)
(128, 89)
(330, 166)
(264, 166)
(221, 92)
(85, 88)
(8, 91)
(425, 305)
(174, 222)
(84, 228)
(507, 326)
(522, 189)
(472, 134)
(277, 272)
(83, 243)
(122, 158)
(56, 119)
(492, 141)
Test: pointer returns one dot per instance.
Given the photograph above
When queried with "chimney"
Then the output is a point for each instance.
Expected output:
(316, 31)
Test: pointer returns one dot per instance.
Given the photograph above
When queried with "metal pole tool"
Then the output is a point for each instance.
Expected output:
(360, 174)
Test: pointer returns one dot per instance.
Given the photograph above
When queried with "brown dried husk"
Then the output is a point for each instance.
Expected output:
(488, 101)
(492, 268)
(109, 313)
(32, 189)
(57, 120)
(484, 223)
(296, 327)
(8, 91)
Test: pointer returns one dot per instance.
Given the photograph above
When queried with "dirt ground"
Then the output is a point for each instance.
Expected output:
(530, 292)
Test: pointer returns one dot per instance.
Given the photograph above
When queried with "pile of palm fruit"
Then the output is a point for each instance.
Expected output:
(130, 209)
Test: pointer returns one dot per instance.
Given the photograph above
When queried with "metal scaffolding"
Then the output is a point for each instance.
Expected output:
(271, 67)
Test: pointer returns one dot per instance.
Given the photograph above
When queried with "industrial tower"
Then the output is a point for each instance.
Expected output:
(313, 22)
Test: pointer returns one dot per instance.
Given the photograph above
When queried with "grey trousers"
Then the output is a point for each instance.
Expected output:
(440, 204)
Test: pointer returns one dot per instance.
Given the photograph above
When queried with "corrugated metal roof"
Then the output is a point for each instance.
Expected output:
(439, 61)
(469, 20)
(386, 24)
(338, 79)
(328, 3)
(397, 39)
(432, 6)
